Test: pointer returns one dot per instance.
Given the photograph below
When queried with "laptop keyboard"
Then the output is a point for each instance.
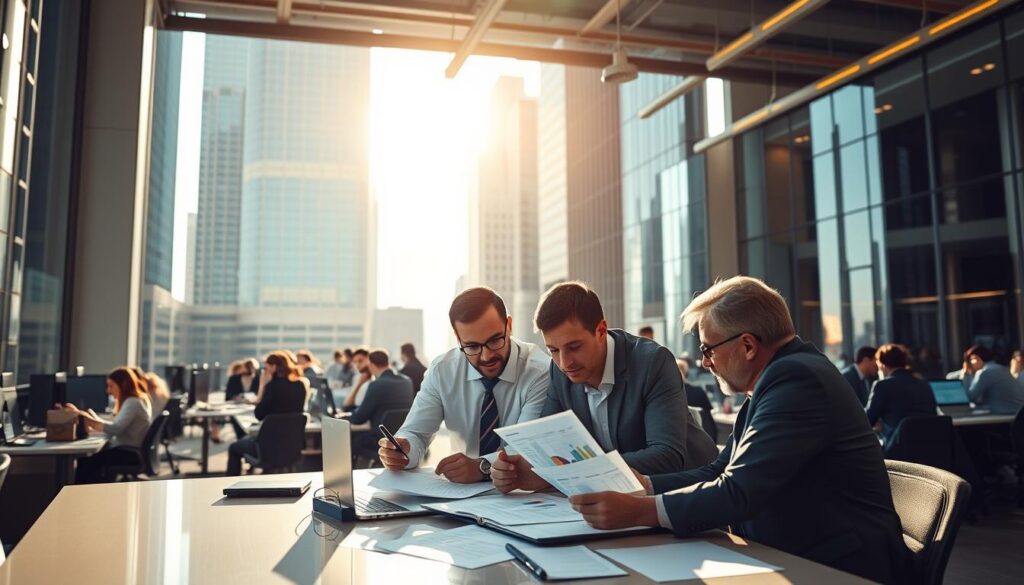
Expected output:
(376, 506)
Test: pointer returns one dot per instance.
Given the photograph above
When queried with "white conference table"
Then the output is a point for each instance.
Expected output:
(185, 531)
(63, 452)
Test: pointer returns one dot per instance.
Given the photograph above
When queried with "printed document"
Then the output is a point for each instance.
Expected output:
(687, 560)
(569, 562)
(565, 455)
(424, 482)
(469, 547)
(513, 509)
(370, 537)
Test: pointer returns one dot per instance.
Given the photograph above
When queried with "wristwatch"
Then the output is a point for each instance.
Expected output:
(485, 468)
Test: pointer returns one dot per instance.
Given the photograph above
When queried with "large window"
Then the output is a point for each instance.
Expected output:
(904, 189)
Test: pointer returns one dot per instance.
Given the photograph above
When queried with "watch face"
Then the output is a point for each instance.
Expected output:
(485, 466)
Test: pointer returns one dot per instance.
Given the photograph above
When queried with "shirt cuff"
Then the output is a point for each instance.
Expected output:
(663, 519)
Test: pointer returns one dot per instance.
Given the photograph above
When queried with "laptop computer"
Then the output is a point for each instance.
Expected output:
(951, 398)
(369, 503)
(12, 430)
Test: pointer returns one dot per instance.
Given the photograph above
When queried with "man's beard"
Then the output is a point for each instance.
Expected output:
(499, 360)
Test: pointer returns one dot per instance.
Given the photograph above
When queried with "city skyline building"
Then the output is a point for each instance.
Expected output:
(503, 206)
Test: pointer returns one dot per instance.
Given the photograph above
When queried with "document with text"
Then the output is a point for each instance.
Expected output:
(687, 560)
(469, 547)
(424, 482)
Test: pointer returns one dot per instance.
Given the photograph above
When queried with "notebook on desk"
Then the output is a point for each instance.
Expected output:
(267, 488)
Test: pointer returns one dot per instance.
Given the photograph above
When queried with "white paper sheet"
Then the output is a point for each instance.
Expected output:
(563, 529)
(424, 482)
(608, 472)
(569, 562)
(555, 440)
(687, 560)
(469, 547)
(369, 537)
(515, 509)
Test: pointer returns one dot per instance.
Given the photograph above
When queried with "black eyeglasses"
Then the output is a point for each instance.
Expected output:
(493, 344)
(708, 350)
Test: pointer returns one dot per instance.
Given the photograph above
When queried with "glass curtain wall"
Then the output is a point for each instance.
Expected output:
(664, 209)
(889, 210)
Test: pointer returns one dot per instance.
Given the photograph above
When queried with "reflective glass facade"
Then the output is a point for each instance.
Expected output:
(664, 213)
(889, 210)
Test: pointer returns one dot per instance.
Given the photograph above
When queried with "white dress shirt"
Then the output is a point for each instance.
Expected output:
(452, 392)
(597, 398)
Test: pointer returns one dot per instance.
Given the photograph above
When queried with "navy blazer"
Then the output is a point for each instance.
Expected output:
(390, 391)
(648, 420)
(862, 388)
(897, 397)
(802, 472)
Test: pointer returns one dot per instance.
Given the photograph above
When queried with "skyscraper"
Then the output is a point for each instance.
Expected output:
(580, 211)
(503, 206)
(220, 170)
(163, 158)
(305, 194)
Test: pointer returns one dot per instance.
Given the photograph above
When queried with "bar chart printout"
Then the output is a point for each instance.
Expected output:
(559, 439)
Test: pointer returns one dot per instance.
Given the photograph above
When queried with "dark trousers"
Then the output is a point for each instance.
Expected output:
(91, 469)
(241, 447)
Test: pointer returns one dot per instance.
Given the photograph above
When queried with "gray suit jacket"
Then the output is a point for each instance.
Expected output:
(648, 419)
(861, 389)
(802, 472)
(994, 388)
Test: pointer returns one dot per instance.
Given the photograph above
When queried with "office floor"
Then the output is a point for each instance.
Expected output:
(987, 552)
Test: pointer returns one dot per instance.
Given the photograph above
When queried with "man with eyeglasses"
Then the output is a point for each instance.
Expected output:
(802, 471)
(489, 381)
(625, 389)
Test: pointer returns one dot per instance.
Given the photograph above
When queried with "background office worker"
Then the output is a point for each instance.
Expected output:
(625, 389)
(128, 429)
(283, 390)
(802, 472)
(491, 380)
(899, 393)
(387, 391)
(862, 373)
(991, 385)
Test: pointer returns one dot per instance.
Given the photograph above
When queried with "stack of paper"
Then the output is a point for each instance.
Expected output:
(512, 509)
(424, 482)
(564, 454)
(469, 547)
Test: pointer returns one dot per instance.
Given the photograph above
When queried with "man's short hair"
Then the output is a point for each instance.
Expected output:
(646, 329)
(983, 353)
(568, 301)
(865, 353)
(338, 353)
(408, 349)
(379, 358)
(360, 351)
(741, 304)
(472, 303)
(892, 355)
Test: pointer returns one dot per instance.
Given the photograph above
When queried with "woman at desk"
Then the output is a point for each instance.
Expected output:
(128, 429)
(155, 388)
(283, 390)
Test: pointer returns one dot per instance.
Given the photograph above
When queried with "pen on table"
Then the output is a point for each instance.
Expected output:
(525, 560)
(391, 438)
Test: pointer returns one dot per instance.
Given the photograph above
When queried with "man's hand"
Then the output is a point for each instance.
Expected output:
(610, 510)
(392, 458)
(459, 468)
(644, 481)
(512, 472)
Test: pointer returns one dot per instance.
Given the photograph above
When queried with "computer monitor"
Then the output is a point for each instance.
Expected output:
(175, 377)
(949, 392)
(321, 400)
(199, 387)
(10, 417)
(88, 391)
(45, 390)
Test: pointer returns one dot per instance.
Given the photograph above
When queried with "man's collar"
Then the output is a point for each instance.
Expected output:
(508, 374)
(609, 362)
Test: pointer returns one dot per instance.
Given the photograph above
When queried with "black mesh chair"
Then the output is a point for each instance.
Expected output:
(931, 504)
(173, 430)
(5, 464)
(148, 454)
(364, 443)
(927, 440)
(1014, 457)
(279, 442)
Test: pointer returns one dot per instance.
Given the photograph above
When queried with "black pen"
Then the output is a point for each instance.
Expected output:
(391, 438)
(525, 560)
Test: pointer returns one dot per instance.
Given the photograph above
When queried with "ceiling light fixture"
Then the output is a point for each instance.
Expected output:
(621, 70)
(989, 66)
(760, 33)
(976, 71)
(688, 85)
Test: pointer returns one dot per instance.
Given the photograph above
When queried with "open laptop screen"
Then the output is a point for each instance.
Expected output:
(949, 392)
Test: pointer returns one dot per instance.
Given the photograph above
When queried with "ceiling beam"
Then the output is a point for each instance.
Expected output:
(603, 16)
(486, 16)
(691, 46)
(284, 11)
(763, 31)
(597, 60)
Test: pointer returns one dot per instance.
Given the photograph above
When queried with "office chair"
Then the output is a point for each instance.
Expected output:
(366, 457)
(148, 453)
(279, 442)
(931, 504)
(1015, 457)
(925, 439)
(5, 464)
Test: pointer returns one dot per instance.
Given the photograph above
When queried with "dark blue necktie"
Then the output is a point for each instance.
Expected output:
(489, 440)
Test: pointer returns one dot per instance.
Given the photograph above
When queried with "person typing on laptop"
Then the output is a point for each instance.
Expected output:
(490, 380)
